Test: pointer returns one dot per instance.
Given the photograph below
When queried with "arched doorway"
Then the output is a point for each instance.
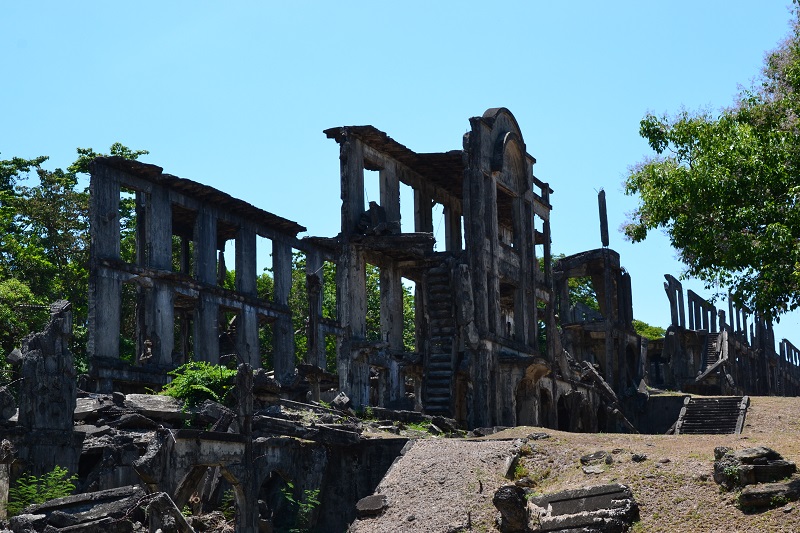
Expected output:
(545, 408)
(527, 403)
(564, 418)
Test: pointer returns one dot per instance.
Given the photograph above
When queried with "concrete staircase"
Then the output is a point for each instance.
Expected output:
(715, 415)
(711, 351)
(438, 368)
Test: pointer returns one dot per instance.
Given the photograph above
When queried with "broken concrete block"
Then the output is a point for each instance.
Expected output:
(157, 407)
(134, 421)
(597, 458)
(86, 408)
(101, 512)
(163, 515)
(749, 466)
(769, 494)
(371, 505)
(510, 501)
(341, 401)
(602, 508)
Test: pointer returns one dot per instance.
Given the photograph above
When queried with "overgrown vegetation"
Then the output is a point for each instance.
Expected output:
(30, 490)
(44, 242)
(198, 381)
(723, 186)
(647, 331)
(304, 507)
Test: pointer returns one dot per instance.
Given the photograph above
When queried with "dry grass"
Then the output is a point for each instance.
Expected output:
(679, 495)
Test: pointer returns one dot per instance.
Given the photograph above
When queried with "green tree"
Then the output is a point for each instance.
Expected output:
(724, 187)
(44, 233)
(647, 331)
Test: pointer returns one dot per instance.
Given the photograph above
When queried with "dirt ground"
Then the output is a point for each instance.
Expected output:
(447, 485)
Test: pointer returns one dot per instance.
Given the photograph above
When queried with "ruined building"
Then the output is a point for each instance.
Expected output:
(706, 354)
(497, 339)
(484, 305)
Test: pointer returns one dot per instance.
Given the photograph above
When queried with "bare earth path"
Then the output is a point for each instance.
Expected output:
(444, 485)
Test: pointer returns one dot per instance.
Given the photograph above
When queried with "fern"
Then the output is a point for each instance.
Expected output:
(197, 381)
(29, 489)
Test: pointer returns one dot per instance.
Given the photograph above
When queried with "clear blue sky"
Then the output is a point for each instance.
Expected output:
(236, 95)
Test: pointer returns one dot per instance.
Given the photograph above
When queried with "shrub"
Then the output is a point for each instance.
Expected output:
(29, 489)
(303, 507)
(198, 381)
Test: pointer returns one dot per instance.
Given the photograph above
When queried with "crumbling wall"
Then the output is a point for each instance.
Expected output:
(715, 353)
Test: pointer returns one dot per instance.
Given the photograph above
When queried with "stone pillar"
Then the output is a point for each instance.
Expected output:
(162, 323)
(314, 285)
(352, 288)
(392, 330)
(105, 287)
(390, 193)
(247, 321)
(159, 308)
(351, 279)
(246, 261)
(452, 229)
(247, 336)
(159, 229)
(206, 316)
(282, 328)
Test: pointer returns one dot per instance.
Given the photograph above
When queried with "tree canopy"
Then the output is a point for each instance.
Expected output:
(725, 187)
(44, 243)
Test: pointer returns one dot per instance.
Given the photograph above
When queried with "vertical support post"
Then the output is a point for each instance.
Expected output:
(392, 329)
(206, 317)
(283, 329)
(246, 261)
(350, 275)
(105, 288)
(452, 229)
(314, 285)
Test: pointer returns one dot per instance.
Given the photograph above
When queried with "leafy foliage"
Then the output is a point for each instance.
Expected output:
(44, 235)
(303, 506)
(30, 490)
(198, 381)
(647, 331)
(725, 189)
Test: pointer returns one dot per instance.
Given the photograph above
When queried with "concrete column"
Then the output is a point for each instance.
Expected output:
(104, 214)
(206, 329)
(105, 301)
(104, 287)
(159, 229)
(452, 229)
(205, 248)
(246, 262)
(314, 286)
(247, 336)
(392, 329)
(282, 328)
(390, 193)
(423, 212)
(162, 323)
(350, 274)
(351, 157)
(206, 316)
(351, 281)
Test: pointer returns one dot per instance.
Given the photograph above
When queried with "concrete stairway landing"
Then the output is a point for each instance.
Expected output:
(712, 415)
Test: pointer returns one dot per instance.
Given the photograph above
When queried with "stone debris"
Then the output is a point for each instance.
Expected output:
(372, 505)
(603, 508)
(478, 363)
(736, 469)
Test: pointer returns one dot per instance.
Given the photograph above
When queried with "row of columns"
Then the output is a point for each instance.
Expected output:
(154, 250)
